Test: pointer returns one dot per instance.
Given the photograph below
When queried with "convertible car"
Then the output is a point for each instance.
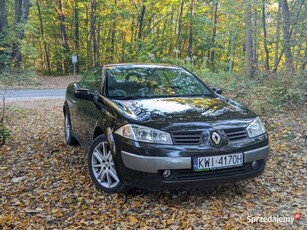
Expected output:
(160, 127)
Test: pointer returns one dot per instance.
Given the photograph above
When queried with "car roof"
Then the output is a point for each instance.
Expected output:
(141, 65)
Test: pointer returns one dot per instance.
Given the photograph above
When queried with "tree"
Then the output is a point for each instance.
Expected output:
(141, 22)
(77, 31)
(43, 36)
(265, 43)
(277, 41)
(95, 59)
(3, 32)
(250, 59)
(21, 17)
(3, 19)
(190, 48)
(215, 9)
(65, 44)
(287, 34)
(130, 31)
(178, 44)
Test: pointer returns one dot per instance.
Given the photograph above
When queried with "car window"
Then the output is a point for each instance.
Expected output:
(138, 82)
(91, 79)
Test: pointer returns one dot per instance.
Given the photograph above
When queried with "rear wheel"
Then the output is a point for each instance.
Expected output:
(102, 168)
(69, 137)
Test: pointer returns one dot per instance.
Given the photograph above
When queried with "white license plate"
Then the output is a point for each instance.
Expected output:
(217, 162)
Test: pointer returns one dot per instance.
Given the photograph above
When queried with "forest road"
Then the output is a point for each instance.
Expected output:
(30, 94)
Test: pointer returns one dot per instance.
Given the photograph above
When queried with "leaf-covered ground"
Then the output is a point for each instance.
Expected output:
(44, 184)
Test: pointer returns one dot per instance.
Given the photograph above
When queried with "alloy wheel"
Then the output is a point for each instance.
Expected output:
(103, 166)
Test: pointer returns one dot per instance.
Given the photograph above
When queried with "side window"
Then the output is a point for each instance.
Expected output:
(92, 79)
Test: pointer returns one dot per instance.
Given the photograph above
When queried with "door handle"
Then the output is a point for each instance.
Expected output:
(73, 101)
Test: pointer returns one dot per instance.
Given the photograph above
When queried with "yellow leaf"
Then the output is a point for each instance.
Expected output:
(169, 221)
(55, 210)
(136, 204)
(96, 222)
(133, 219)
(39, 209)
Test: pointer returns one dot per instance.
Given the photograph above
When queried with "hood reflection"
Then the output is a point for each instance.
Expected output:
(173, 110)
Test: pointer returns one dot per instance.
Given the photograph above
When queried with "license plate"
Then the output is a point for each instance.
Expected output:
(217, 162)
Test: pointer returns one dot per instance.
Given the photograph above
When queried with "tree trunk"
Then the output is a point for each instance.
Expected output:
(267, 57)
(43, 36)
(231, 48)
(287, 35)
(88, 37)
(305, 59)
(21, 17)
(77, 33)
(3, 19)
(113, 33)
(179, 26)
(190, 47)
(64, 37)
(215, 8)
(93, 33)
(254, 36)
(3, 30)
(141, 21)
(276, 59)
(250, 62)
(123, 46)
(132, 31)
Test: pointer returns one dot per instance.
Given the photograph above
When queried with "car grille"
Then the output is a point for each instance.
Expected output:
(194, 137)
(187, 138)
(189, 174)
(236, 133)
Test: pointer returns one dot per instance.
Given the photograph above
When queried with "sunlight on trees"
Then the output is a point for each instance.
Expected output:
(218, 35)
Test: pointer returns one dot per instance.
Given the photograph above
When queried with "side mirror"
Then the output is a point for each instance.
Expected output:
(83, 93)
(217, 90)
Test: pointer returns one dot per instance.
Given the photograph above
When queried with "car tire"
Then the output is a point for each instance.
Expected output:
(69, 137)
(102, 167)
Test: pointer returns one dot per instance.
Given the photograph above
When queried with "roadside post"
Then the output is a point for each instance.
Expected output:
(74, 59)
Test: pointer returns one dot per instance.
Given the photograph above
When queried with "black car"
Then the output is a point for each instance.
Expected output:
(160, 127)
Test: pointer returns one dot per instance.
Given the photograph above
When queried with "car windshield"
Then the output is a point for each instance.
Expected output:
(127, 82)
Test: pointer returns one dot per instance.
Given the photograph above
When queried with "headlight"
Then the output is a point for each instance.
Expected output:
(255, 128)
(144, 134)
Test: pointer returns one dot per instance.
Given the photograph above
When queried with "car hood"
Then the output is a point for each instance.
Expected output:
(161, 112)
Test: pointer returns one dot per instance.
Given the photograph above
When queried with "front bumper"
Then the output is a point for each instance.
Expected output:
(154, 164)
(142, 165)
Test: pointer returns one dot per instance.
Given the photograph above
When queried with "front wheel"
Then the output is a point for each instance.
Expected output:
(102, 168)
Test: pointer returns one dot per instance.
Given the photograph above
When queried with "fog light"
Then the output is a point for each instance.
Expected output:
(166, 173)
(254, 164)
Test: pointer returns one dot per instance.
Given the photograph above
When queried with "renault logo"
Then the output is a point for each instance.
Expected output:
(216, 138)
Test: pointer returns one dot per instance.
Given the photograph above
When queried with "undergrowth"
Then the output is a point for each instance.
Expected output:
(23, 78)
(263, 94)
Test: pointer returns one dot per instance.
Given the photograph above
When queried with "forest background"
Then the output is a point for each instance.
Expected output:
(253, 49)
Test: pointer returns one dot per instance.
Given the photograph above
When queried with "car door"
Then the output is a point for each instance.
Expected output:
(87, 112)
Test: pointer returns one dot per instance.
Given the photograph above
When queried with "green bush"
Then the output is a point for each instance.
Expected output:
(278, 92)
(18, 78)
(268, 94)
(264, 93)
(4, 134)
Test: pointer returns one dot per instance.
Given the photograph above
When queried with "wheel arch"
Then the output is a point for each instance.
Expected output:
(108, 135)
(97, 132)
(65, 108)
